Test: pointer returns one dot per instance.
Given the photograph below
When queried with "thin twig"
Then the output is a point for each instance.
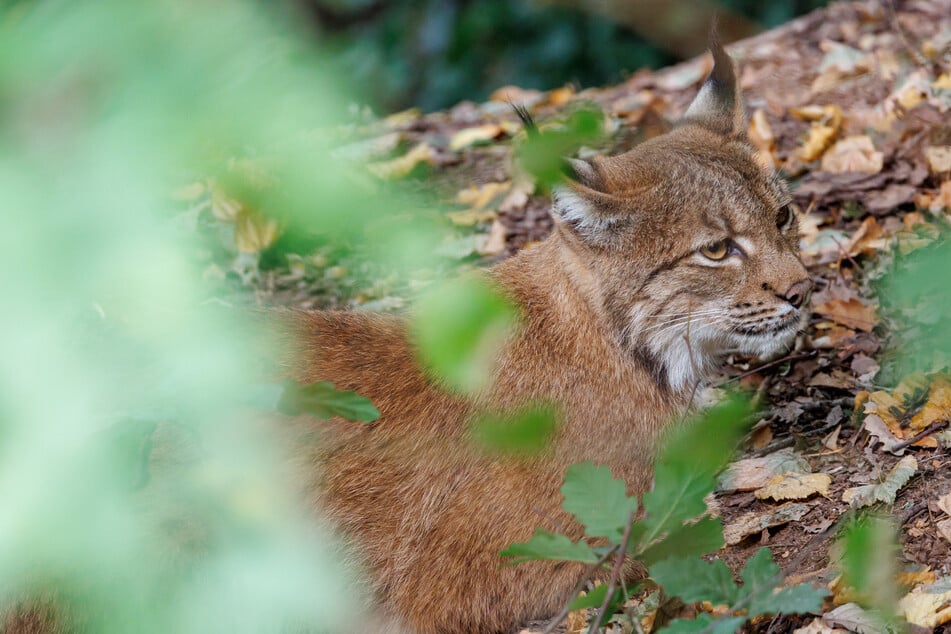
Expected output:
(615, 573)
(555, 622)
(936, 426)
(769, 364)
(912, 51)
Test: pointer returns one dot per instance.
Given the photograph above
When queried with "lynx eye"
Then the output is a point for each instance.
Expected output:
(784, 217)
(717, 250)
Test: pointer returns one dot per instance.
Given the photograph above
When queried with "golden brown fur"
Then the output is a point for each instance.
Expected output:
(621, 317)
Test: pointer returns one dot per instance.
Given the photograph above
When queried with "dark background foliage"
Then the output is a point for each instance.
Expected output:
(434, 53)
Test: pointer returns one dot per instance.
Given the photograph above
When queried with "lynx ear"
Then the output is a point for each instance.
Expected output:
(583, 205)
(719, 105)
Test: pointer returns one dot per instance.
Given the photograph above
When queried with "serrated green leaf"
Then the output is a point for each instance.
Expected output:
(693, 579)
(687, 467)
(522, 433)
(761, 576)
(868, 561)
(324, 401)
(544, 546)
(799, 599)
(700, 538)
(704, 623)
(598, 500)
(458, 328)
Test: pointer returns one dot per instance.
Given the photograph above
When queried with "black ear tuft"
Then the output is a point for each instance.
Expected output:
(528, 121)
(719, 105)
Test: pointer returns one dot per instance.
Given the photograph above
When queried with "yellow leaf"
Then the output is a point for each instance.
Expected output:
(470, 217)
(468, 136)
(495, 242)
(795, 486)
(254, 232)
(926, 608)
(938, 406)
(943, 82)
(820, 137)
(402, 118)
(401, 166)
(561, 95)
(223, 207)
(853, 154)
(481, 196)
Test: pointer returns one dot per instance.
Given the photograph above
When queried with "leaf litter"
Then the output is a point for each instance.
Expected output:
(852, 103)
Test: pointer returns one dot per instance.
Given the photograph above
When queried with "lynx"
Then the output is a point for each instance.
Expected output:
(662, 261)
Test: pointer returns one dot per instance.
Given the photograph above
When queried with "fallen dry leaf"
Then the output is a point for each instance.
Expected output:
(478, 134)
(495, 242)
(887, 490)
(761, 136)
(826, 121)
(927, 606)
(877, 428)
(837, 379)
(753, 473)
(761, 437)
(819, 139)
(402, 118)
(754, 522)
(795, 486)
(944, 528)
(818, 627)
(254, 232)
(854, 619)
(482, 196)
(933, 395)
(942, 201)
(842, 304)
(939, 158)
(944, 503)
(518, 195)
(853, 154)
(470, 217)
(401, 166)
(868, 239)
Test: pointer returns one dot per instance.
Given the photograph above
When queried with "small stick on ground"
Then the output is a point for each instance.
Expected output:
(936, 426)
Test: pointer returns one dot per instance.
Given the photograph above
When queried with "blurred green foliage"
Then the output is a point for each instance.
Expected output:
(434, 53)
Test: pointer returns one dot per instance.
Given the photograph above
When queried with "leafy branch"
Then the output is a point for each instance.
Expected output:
(669, 537)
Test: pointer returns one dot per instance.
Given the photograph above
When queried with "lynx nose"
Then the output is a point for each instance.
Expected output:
(798, 292)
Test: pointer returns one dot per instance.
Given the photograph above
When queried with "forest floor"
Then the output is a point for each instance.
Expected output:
(852, 104)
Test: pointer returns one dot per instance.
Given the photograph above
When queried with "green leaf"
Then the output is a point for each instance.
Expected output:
(704, 623)
(523, 433)
(761, 576)
(595, 598)
(458, 330)
(693, 579)
(324, 401)
(699, 538)
(799, 599)
(687, 467)
(868, 561)
(598, 500)
(542, 155)
(545, 545)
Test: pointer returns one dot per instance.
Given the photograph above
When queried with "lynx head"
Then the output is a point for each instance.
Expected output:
(687, 244)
